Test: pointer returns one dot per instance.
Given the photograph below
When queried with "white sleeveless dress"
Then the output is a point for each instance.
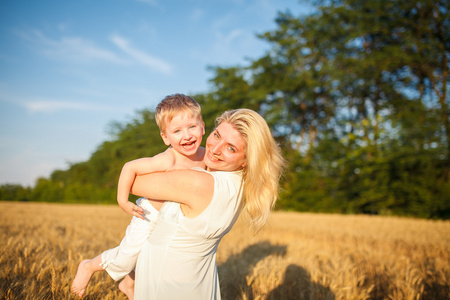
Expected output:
(178, 261)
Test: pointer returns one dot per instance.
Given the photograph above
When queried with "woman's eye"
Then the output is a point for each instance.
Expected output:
(216, 135)
(231, 149)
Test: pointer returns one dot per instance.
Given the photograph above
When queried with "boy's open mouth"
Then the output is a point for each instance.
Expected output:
(189, 144)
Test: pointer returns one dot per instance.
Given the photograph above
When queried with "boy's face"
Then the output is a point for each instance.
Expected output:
(184, 133)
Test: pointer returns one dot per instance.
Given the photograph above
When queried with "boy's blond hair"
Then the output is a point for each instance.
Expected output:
(175, 104)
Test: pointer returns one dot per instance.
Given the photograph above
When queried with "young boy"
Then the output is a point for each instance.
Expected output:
(181, 127)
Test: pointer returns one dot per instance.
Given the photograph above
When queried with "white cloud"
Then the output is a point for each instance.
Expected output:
(228, 39)
(71, 49)
(227, 47)
(76, 49)
(196, 15)
(51, 106)
(224, 22)
(154, 63)
(263, 8)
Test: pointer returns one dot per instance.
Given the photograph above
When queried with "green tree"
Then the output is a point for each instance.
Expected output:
(352, 88)
(13, 192)
(355, 93)
(47, 190)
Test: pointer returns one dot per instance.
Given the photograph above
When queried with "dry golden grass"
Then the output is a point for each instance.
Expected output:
(298, 256)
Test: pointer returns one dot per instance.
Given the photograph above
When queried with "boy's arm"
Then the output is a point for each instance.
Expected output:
(130, 170)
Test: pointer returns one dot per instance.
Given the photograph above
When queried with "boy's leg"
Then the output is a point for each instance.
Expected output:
(84, 273)
(116, 261)
(120, 261)
(151, 207)
(126, 286)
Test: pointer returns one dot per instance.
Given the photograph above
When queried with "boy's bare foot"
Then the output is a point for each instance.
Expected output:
(84, 274)
(126, 286)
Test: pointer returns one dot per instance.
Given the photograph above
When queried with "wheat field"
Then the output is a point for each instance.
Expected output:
(297, 256)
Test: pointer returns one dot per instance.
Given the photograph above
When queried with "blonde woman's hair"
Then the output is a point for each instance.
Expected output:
(264, 164)
(172, 105)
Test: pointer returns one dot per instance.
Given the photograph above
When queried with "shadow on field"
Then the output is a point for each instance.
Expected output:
(233, 272)
(297, 284)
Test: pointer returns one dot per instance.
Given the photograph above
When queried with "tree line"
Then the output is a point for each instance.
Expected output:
(356, 93)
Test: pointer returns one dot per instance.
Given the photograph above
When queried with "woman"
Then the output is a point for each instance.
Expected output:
(243, 169)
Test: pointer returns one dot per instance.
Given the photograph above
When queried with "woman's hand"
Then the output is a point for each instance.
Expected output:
(132, 209)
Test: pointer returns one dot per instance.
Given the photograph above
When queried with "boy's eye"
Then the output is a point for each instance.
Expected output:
(193, 126)
(216, 135)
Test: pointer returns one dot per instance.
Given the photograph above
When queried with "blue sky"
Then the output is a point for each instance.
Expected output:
(70, 68)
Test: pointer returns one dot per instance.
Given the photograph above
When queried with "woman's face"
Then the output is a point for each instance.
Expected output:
(225, 149)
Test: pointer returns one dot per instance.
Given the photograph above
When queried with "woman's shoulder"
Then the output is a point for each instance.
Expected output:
(228, 180)
(228, 174)
(222, 179)
(222, 174)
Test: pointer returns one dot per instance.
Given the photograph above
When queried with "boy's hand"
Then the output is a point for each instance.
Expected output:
(132, 209)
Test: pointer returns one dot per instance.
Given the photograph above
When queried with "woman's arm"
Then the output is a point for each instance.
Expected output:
(131, 169)
(193, 188)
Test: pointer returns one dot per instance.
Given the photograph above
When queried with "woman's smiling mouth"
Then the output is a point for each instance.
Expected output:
(212, 157)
